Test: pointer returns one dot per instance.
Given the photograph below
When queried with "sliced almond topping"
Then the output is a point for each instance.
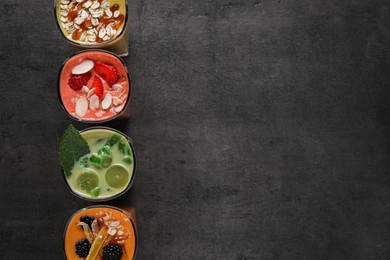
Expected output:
(64, 19)
(84, 13)
(111, 231)
(106, 103)
(79, 20)
(85, 89)
(64, 13)
(95, 5)
(87, 4)
(82, 37)
(94, 102)
(104, 4)
(102, 32)
(109, 30)
(116, 86)
(105, 38)
(115, 223)
(99, 113)
(119, 108)
(91, 92)
(116, 101)
(108, 13)
(112, 110)
(65, 2)
(95, 22)
(116, 13)
(79, 1)
(83, 67)
(81, 106)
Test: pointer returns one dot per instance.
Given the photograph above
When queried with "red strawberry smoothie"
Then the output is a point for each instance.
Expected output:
(94, 86)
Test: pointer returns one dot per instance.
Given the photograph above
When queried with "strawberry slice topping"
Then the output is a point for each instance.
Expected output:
(98, 86)
(107, 72)
(76, 82)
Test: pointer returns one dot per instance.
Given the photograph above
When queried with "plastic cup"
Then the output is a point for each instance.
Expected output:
(81, 24)
(74, 233)
(108, 189)
(70, 97)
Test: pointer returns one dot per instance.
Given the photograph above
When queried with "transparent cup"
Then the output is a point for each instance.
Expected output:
(74, 233)
(79, 29)
(107, 192)
(67, 94)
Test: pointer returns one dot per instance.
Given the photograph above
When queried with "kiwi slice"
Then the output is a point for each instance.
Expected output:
(87, 180)
(117, 176)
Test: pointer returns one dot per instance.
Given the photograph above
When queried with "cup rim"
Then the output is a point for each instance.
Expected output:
(109, 207)
(131, 182)
(125, 107)
(95, 45)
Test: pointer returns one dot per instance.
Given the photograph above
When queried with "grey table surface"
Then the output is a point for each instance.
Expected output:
(262, 129)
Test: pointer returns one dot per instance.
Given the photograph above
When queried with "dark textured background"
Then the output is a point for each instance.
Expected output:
(262, 129)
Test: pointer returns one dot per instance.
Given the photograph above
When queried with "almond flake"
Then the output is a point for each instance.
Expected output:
(119, 109)
(91, 38)
(64, 19)
(120, 232)
(84, 13)
(79, 1)
(94, 102)
(108, 13)
(106, 103)
(97, 14)
(116, 101)
(99, 113)
(65, 2)
(91, 92)
(115, 223)
(83, 67)
(116, 86)
(116, 13)
(64, 13)
(109, 30)
(104, 4)
(95, 5)
(102, 32)
(85, 89)
(81, 106)
(111, 231)
(79, 20)
(105, 38)
(87, 4)
(95, 22)
(112, 110)
(82, 37)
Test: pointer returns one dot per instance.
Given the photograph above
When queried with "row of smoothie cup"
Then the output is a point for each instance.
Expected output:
(76, 20)
(73, 233)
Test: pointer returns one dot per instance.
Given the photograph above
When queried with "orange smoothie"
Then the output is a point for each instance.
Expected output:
(100, 232)
(94, 86)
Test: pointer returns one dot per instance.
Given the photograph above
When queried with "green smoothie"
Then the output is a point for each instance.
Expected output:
(106, 170)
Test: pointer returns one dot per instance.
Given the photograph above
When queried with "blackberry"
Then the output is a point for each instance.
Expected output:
(112, 252)
(82, 248)
(87, 220)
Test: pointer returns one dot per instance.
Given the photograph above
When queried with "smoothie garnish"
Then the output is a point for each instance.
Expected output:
(97, 97)
(104, 236)
(91, 22)
(72, 147)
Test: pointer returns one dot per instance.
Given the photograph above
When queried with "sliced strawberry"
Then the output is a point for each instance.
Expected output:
(107, 72)
(98, 86)
(76, 82)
